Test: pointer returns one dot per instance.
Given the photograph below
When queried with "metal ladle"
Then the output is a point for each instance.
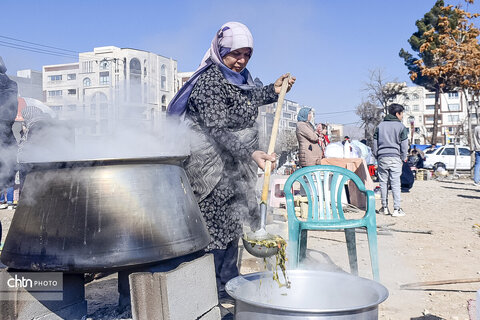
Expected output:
(251, 240)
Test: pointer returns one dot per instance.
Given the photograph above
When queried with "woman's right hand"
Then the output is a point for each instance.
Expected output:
(278, 84)
(261, 157)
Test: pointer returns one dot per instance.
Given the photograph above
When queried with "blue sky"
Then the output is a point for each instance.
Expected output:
(330, 46)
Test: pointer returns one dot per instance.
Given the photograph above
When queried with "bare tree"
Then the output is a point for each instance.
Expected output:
(371, 115)
(287, 141)
(382, 92)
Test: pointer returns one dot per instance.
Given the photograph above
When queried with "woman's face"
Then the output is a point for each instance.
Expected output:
(310, 115)
(237, 59)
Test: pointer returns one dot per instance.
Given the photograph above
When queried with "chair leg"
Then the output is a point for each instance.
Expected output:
(372, 245)
(292, 254)
(302, 245)
(293, 244)
(352, 249)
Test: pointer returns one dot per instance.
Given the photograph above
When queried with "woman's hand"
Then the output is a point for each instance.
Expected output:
(261, 157)
(278, 84)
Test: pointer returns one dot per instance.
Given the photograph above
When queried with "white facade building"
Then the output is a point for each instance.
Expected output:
(419, 106)
(110, 84)
(29, 84)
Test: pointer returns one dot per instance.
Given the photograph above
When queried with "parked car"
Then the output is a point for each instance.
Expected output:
(445, 157)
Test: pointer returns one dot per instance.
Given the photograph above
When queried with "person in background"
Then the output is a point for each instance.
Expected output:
(309, 151)
(220, 102)
(6, 199)
(323, 140)
(476, 147)
(390, 147)
(8, 144)
(415, 159)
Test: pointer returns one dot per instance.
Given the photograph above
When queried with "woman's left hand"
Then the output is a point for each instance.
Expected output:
(278, 84)
(261, 157)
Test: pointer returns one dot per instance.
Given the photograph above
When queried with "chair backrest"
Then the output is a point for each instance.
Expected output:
(323, 185)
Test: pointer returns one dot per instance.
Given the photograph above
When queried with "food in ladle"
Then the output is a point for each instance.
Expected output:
(280, 256)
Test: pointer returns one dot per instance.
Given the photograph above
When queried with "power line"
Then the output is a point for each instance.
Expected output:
(38, 44)
(22, 46)
(316, 113)
(33, 50)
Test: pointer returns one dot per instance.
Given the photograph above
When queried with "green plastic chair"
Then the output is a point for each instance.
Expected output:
(323, 185)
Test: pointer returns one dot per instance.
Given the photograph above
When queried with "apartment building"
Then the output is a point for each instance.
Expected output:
(419, 115)
(110, 84)
(29, 83)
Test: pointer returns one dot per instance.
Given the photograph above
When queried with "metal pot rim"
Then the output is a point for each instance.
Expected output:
(236, 282)
(92, 161)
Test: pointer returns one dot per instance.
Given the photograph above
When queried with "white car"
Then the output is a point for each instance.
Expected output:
(446, 155)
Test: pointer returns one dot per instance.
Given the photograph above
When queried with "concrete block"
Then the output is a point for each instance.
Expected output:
(145, 296)
(23, 305)
(190, 290)
(213, 314)
(186, 292)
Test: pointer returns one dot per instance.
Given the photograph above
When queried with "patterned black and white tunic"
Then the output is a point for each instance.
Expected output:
(220, 168)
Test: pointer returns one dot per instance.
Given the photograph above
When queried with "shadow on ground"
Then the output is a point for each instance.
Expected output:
(427, 317)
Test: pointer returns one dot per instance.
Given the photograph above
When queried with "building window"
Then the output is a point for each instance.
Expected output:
(415, 107)
(292, 108)
(72, 76)
(57, 77)
(287, 115)
(104, 78)
(163, 77)
(420, 118)
(164, 103)
(135, 80)
(104, 64)
(57, 109)
(292, 124)
(87, 66)
(55, 93)
(453, 95)
(104, 110)
(407, 108)
(430, 107)
(415, 96)
(429, 119)
(453, 118)
(430, 96)
(72, 91)
(87, 82)
(453, 107)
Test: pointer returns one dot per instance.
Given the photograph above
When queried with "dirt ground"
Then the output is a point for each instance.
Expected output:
(436, 240)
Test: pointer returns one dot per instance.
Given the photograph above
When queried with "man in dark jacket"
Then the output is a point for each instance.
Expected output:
(8, 144)
(8, 113)
(390, 147)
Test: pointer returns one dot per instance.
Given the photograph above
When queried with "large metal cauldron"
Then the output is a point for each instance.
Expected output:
(95, 215)
(313, 295)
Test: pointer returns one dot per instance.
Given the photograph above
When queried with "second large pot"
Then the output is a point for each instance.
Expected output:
(91, 216)
(313, 295)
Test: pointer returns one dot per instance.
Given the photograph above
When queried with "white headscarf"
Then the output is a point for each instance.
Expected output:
(230, 37)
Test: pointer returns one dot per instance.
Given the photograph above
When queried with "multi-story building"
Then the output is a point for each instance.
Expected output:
(286, 126)
(29, 83)
(111, 84)
(419, 115)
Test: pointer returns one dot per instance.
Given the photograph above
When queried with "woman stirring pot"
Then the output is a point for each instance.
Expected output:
(220, 103)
